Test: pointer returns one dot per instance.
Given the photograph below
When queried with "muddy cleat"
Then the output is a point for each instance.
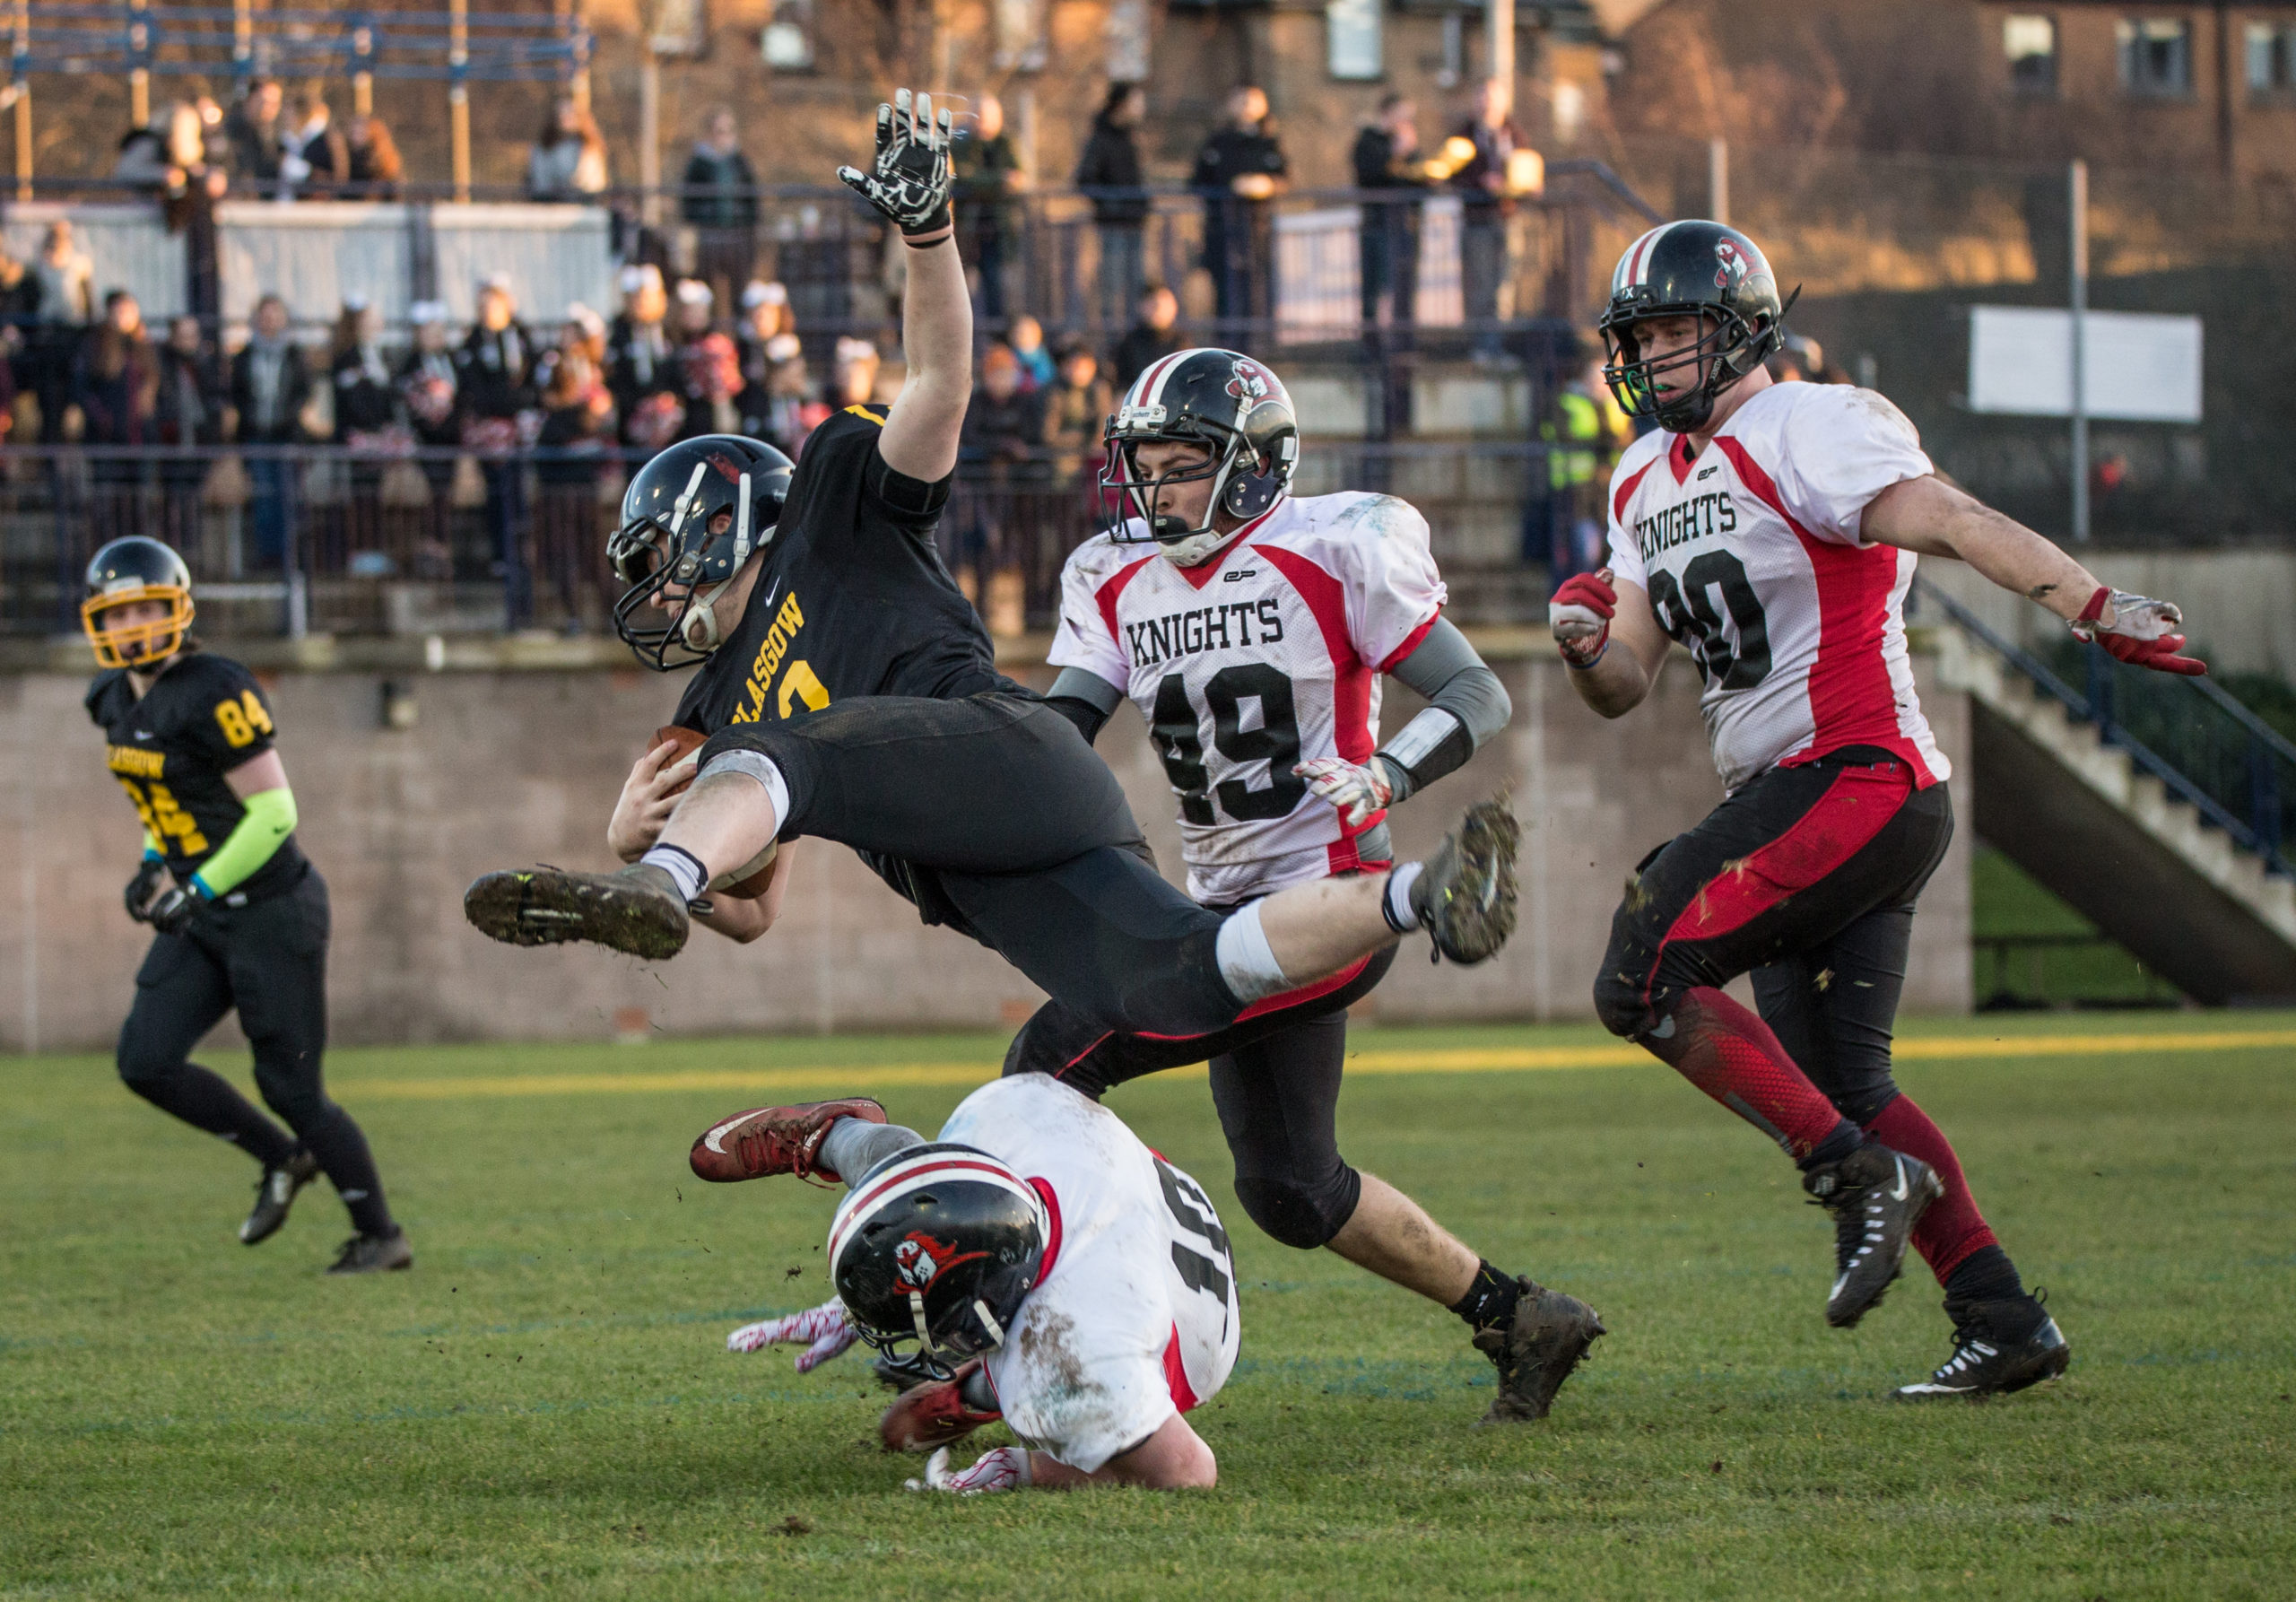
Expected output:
(1535, 1351)
(1876, 1196)
(274, 1193)
(1465, 894)
(933, 1415)
(1998, 1347)
(771, 1140)
(375, 1254)
(637, 910)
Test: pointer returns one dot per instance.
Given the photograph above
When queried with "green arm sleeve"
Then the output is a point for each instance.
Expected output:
(270, 819)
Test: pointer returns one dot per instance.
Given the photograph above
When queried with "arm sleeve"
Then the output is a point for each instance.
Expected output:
(1840, 446)
(1085, 698)
(263, 829)
(1083, 640)
(1394, 594)
(1470, 705)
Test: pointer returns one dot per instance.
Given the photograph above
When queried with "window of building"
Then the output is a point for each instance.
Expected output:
(1352, 30)
(2271, 60)
(2155, 55)
(2030, 42)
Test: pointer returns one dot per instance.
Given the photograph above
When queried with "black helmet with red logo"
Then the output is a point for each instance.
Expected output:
(1232, 407)
(1698, 269)
(692, 517)
(938, 1244)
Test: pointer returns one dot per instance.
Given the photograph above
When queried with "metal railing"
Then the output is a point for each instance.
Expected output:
(2209, 751)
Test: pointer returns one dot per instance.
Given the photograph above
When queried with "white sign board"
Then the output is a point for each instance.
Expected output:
(2137, 366)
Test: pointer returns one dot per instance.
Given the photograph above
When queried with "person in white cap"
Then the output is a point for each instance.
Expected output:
(427, 386)
(639, 360)
(495, 369)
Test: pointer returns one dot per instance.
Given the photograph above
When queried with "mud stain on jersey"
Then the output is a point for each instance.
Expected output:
(1048, 1351)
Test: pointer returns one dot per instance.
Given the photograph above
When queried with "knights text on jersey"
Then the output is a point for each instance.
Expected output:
(1752, 557)
(170, 749)
(1135, 1317)
(1267, 655)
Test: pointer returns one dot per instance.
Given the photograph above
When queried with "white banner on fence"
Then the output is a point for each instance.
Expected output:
(2137, 366)
(1318, 269)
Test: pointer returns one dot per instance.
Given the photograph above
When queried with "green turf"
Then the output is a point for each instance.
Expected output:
(543, 1407)
(2006, 901)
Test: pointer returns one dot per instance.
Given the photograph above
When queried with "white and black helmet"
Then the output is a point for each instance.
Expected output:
(1232, 407)
(1697, 269)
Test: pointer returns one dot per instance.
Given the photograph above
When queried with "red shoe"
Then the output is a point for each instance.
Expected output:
(770, 1140)
(931, 1415)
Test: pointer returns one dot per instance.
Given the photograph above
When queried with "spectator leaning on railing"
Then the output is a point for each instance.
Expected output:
(314, 158)
(270, 388)
(1388, 164)
(1239, 170)
(1487, 204)
(720, 204)
(427, 385)
(568, 160)
(375, 169)
(253, 132)
(1109, 171)
(62, 308)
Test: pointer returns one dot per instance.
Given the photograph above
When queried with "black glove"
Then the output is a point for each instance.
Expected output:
(149, 875)
(908, 180)
(174, 910)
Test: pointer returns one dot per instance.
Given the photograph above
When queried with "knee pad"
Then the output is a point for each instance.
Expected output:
(1300, 1215)
(1619, 1003)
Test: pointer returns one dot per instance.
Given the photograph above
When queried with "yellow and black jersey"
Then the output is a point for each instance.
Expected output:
(851, 596)
(204, 716)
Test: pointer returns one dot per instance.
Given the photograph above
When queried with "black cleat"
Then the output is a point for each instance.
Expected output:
(1876, 1196)
(1465, 894)
(1535, 1351)
(1998, 1347)
(636, 909)
(374, 1254)
(274, 1193)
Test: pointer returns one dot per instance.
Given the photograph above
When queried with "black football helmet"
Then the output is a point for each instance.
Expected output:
(1223, 401)
(692, 517)
(123, 574)
(937, 1244)
(1689, 269)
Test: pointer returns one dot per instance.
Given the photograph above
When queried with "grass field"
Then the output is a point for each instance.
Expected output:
(543, 1406)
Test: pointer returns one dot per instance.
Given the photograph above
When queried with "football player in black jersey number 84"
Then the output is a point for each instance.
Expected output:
(240, 915)
(848, 691)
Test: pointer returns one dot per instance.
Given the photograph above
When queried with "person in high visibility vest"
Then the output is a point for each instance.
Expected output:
(1584, 431)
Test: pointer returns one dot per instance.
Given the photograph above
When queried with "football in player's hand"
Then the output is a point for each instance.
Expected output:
(749, 881)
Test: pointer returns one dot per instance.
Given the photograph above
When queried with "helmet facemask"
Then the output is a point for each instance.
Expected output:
(140, 646)
(1728, 347)
(1243, 485)
(650, 556)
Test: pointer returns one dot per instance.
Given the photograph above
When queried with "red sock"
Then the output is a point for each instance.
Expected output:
(1952, 1228)
(1732, 1055)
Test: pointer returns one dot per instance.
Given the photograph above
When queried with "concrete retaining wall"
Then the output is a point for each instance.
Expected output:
(507, 768)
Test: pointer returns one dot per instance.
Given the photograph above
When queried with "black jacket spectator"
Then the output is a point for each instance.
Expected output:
(980, 186)
(1111, 161)
(720, 189)
(115, 381)
(640, 362)
(189, 407)
(1482, 182)
(270, 386)
(365, 397)
(494, 372)
(1139, 350)
(1229, 153)
(253, 132)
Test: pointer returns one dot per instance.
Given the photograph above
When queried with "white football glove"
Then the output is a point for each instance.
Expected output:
(826, 1326)
(1358, 791)
(1006, 1469)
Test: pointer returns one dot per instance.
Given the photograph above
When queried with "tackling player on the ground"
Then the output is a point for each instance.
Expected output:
(239, 914)
(848, 691)
(1772, 529)
(1251, 628)
(1051, 1270)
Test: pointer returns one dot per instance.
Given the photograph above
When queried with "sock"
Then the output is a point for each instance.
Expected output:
(1953, 1230)
(853, 1146)
(1491, 1301)
(205, 1100)
(1732, 1056)
(1247, 961)
(340, 1148)
(688, 870)
(1395, 906)
(1986, 1274)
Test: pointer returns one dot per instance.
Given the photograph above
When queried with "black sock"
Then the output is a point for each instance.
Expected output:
(341, 1149)
(1986, 1274)
(1846, 1138)
(205, 1100)
(1491, 1301)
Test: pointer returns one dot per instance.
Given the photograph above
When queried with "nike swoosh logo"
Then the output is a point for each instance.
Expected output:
(710, 1139)
(771, 592)
(143, 734)
(1902, 1191)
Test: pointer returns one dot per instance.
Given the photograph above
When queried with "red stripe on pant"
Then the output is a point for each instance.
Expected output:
(1952, 1228)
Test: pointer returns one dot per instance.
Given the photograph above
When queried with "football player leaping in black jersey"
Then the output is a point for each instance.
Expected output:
(239, 914)
(848, 691)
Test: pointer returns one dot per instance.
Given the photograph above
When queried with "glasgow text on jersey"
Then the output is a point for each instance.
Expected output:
(143, 764)
(1205, 629)
(798, 686)
(1702, 517)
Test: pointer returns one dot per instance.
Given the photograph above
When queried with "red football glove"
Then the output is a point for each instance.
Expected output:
(1580, 614)
(2142, 631)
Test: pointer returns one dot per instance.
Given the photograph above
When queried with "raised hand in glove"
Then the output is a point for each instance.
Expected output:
(826, 1326)
(1357, 791)
(149, 875)
(908, 180)
(1579, 615)
(175, 909)
(2139, 629)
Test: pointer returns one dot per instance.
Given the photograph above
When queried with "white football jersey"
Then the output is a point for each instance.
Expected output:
(1134, 1318)
(1267, 655)
(1750, 555)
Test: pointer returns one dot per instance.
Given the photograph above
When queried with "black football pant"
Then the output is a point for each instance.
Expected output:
(1807, 878)
(268, 959)
(993, 814)
(1276, 1076)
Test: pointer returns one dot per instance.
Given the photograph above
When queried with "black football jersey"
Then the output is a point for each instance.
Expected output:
(852, 598)
(169, 751)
